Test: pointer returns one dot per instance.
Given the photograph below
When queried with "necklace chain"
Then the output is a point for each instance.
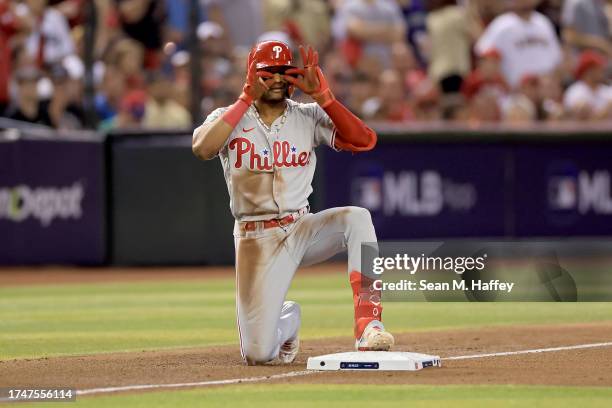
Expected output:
(269, 128)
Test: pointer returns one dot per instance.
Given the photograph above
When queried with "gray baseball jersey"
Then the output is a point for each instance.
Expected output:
(269, 171)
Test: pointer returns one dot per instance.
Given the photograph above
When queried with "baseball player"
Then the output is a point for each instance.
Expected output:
(266, 143)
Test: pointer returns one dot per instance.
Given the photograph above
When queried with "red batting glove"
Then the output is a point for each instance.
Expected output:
(312, 81)
(352, 134)
(255, 85)
(253, 89)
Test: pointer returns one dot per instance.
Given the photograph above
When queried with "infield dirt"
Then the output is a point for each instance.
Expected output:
(585, 367)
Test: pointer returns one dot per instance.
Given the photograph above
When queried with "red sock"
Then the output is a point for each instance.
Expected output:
(366, 301)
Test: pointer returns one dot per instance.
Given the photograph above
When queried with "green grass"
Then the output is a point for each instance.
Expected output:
(52, 320)
(67, 319)
(351, 396)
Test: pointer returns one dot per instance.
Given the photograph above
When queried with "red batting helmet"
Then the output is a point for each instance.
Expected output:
(272, 54)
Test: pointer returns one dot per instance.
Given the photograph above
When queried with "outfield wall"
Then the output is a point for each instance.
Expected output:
(52, 198)
(144, 199)
(456, 182)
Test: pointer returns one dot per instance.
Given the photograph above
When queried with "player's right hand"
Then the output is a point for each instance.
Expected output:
(255, 85)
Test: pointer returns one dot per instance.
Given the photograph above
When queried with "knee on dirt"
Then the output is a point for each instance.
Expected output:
(256, 354)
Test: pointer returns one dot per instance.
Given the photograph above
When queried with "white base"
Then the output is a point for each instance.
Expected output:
(373, 360)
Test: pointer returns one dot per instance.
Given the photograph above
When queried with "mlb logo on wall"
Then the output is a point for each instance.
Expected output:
(412, 193)
(587, 192)
(367, 192)
(562, 193)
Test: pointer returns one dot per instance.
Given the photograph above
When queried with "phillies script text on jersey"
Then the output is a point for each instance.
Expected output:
(284, 155)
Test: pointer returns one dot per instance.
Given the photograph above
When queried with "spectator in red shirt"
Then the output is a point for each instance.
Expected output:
(590, 98)
(10, 24)
(484, 87)
(486, 75)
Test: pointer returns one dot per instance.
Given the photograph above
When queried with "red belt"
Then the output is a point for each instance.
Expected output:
(277, 222)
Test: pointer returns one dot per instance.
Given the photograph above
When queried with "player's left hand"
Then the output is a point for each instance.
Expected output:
(310, 79)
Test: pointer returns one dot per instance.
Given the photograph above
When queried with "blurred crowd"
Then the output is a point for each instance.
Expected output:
(468, 61)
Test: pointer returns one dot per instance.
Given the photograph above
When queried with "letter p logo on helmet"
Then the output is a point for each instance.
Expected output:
(272, 54)
(277, 50)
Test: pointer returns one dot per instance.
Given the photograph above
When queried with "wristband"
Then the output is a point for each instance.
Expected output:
(325, 98)
(235, 112)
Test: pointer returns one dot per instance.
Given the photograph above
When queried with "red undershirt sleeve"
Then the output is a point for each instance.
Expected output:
(352, 133)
